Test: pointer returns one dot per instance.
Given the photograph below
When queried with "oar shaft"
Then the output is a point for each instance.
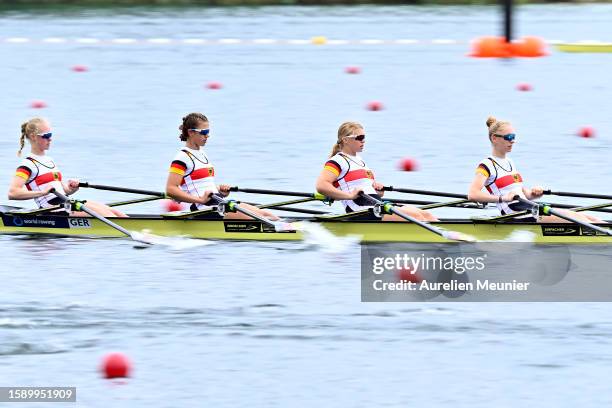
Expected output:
(400, 214)
(123, 189)
(550, 211)
(579, 195)
(84, 208)
(424, 192)
(275, 192)
(236, 207)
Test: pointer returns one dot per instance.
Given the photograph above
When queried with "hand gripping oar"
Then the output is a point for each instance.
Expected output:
(548, 210)
(79, 206)
(225, 205)
(389, 208)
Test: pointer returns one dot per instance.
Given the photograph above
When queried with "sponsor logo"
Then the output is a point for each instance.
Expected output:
(34, 221)
(551, 231)
(242, 226)
(79, 223)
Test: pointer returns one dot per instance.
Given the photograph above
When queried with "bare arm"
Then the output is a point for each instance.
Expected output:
(17, 190)
(476, 194)
(325, 186)
(173, 190)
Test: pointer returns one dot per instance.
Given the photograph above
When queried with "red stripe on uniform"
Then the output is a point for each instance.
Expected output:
(508, 180)
(48, 177)
(202, 173)
(356, 175)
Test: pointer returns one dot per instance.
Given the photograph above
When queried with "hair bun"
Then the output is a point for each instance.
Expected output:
(491, 120)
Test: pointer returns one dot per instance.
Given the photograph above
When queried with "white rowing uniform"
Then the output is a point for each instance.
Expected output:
(39, 173)
(502, 178)
(352, 173)
(198, 173)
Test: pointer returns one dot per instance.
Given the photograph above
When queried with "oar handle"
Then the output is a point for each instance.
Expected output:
(122, 189)
(424, 192)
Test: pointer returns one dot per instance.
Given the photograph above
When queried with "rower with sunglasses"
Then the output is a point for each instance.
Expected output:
(345, 175)
(500, 177)
(38, 174)
(192, 175)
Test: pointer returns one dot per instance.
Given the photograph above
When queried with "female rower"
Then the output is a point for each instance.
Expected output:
(345, 175)
(498, 174)
(192, 175)
(37, 173)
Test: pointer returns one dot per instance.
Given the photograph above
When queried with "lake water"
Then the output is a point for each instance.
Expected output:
(272, 324)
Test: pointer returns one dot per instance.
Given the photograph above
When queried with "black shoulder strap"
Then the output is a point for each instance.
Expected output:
(340, 177)
(34, 161)
(495, 164)
(188, 153)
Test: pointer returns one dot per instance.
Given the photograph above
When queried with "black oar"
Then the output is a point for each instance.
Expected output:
(79, 206)
(579, 195)
(390, 209)
(425, 192)
(315, 196)
(548, 210)
(123, 189)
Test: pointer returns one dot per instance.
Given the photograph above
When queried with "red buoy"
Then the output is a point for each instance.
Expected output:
(407, 274)
(408, 164)
(587, 132)
(80, 68)
(214, 85)
(375, 106)
(171, 205)
(352, 70)
(38, 104)
(524, 87)
(116, 365)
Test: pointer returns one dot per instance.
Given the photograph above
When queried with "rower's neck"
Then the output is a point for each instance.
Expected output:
(36, 151)
(192, 146)
(349, 152)
(499, 155)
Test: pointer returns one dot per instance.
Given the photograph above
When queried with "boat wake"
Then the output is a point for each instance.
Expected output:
(319, 237)
(145, 239)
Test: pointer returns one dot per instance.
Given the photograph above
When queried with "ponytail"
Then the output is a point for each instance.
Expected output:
(28, 129)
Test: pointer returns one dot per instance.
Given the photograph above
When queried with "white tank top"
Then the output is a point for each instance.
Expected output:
(352, 173)
(197, 171)
(39, 173)
(502, 178)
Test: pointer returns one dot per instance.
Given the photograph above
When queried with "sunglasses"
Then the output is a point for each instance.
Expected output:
(203, 132)
(509, 137)
(45, 136)
(359, 138)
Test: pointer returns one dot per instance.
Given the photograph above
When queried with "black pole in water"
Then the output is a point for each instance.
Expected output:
(508, 20)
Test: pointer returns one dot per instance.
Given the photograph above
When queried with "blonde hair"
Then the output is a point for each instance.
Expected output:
(494, 125)
(29, 129)
(345, 129)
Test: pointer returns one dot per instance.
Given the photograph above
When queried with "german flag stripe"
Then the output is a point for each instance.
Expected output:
(202, 173)
(178, 167)
(508, 180)
(333, 166)
(48, 177)
(23, 172)
(356, 175)
(332, 169)
(482, 169)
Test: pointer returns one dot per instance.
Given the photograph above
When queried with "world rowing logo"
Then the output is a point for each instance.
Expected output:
(17, 221)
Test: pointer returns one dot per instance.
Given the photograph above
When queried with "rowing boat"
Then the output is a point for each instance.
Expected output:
(17, 221)
(585, 47)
